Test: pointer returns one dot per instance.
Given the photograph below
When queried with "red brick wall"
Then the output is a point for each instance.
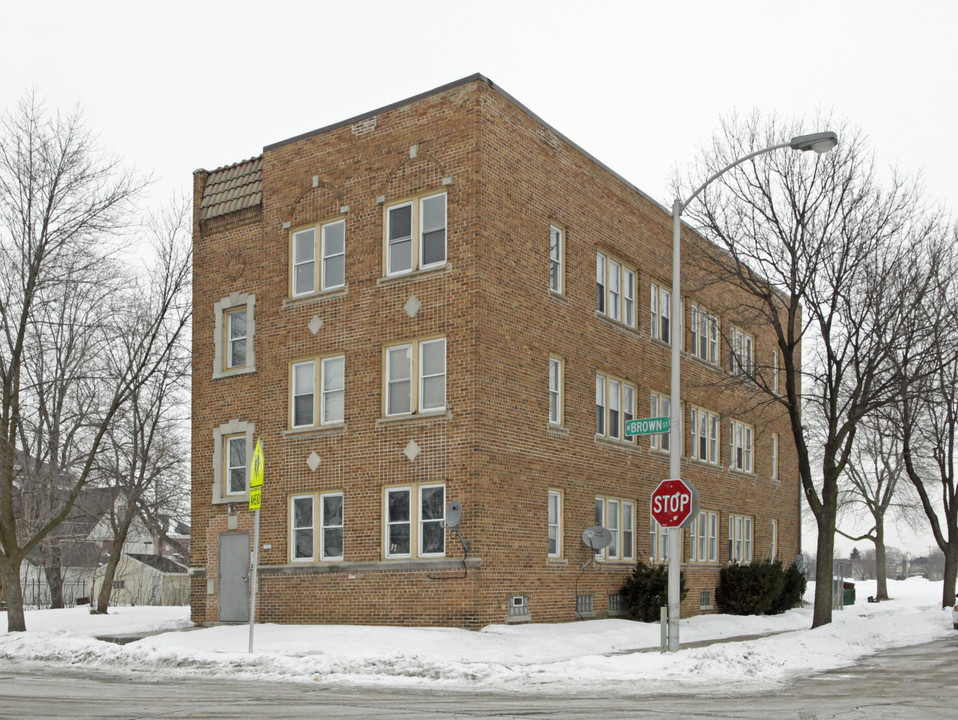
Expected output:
(510, 178)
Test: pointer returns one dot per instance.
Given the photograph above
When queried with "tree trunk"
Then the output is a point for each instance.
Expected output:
(12, 593)
(880, 574)
(116, 552)
(951, 575)
(53, 570)
(822, 614)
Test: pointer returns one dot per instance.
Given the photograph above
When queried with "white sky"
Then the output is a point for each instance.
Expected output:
(592, 656)
(641, 85)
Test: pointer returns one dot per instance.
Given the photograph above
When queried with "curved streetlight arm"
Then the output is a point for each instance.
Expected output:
(683, 205)
(819, 142)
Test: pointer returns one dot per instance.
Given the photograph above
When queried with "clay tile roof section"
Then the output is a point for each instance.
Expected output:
(232, 188)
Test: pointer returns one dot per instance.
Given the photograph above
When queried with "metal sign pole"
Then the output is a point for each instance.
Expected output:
(255, 563)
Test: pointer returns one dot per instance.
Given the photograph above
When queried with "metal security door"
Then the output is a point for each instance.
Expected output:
(234, 577)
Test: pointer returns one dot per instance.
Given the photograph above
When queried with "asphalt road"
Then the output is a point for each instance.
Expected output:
(913, 683)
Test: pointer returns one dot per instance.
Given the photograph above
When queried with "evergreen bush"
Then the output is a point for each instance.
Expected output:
(759, 588)
(646, 591)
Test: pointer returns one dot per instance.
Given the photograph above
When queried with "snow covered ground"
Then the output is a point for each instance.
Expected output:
(597, 656)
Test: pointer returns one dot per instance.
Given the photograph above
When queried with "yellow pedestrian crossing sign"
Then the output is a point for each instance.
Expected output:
(256, 467)
(255, 498)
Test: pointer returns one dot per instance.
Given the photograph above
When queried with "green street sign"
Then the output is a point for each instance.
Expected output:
(647, 426)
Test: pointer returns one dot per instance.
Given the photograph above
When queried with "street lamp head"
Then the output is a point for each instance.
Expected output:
(819, 142)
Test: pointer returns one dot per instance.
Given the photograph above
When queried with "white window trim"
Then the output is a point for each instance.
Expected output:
(741, 437)
(416, 378)
(703, 538)
(773, 552)
(557, 525)
(658, 542)
(422, 521)
(221, 309)
(417, 248)
(319, 393)
(657, 403)
(320, 256)
(556, 259)
(232, 428)
(661, 313)
(622, 548)
(774, 456)
(323, 555)
(742, 356)
(740, 539)
(705, 345)
(555, 390)
(415, 522)
(615, 282)
(293, 528)
(712, 435)
(615, 393)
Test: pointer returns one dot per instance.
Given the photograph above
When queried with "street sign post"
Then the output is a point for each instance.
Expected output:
(675, 503)
(255, 500)
(647, 426)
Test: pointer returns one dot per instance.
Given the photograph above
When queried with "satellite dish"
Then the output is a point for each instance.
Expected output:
(597, 537)
(453, 514)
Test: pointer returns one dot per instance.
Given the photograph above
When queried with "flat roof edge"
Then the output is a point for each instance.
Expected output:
(475, 77)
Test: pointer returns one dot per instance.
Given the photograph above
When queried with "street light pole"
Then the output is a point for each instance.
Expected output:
(818, 142)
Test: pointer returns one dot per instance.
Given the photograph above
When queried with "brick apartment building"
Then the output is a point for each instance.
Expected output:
(445, 299)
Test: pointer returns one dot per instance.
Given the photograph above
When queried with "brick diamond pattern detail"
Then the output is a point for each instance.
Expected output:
(315, 325)
(412, 306)
(313, 461)
(412, 450)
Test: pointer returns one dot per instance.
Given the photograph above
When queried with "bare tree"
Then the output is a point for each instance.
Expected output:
(875, 489)
(80, 333)
(815, 243)
(144, 456)
(927, 369)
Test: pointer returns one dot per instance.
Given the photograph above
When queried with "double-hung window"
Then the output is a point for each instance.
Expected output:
(705, 435)
(236, 466)
(614, 406)
(740, 442)
(615, 289)
(775, 371)
(415, 235)
(415, 521)
(415, 379)
(556, 258)
(310, 276)
(705, 335)
(555, 391)
(303, 533)
(743, 353)
(302, 546)
(306, 404)
(660, 406)
(774, 472)
(618, 517)
(234, 331)
(740, 539)
(658, 542)
(704, 538)
(661, 306)
(554, 523)
(236, 338)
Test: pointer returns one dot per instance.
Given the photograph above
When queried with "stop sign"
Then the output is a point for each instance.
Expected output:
(674, 502)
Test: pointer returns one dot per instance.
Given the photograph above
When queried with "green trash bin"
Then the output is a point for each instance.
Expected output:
(848, 593)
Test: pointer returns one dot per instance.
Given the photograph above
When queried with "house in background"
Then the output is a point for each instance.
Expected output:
(447, 300)
(78, 548)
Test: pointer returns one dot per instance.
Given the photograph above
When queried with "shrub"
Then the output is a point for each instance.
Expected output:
(793, 590)
(646, 591)
(749, 589)
(760, 588)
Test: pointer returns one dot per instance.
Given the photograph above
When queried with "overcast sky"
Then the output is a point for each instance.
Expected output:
(642, 85)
